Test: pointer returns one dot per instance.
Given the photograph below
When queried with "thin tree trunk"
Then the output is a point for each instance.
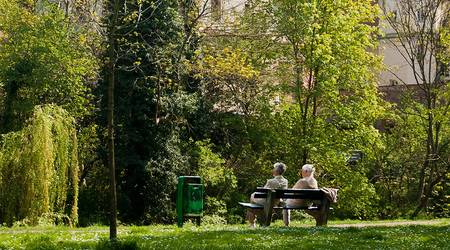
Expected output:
(424, 201)
(111, 156)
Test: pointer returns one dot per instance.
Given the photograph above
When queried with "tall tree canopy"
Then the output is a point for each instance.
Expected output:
(421, 37)
(319, 57)
(151, 106)
(43, 59)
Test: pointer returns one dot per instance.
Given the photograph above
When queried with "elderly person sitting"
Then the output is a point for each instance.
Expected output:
(306, 182)
(277, 182)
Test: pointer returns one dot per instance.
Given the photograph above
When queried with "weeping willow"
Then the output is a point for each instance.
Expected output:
(39, 168)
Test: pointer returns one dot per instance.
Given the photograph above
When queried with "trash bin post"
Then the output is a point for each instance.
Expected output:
(189, 199)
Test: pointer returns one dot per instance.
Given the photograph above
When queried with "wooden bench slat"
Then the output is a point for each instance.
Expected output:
(307, 194)
(257, 206)
(290, 196)
(301, 196)
(295, 207)
(251, 205)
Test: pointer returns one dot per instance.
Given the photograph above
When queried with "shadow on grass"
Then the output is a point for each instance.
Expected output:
(48, 243)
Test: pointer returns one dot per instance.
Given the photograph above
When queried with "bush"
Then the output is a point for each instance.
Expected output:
(213, 220)
(234, 219)
(219, 180)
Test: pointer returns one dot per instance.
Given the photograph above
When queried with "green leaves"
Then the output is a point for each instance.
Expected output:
(43, 59)
(318, 56)
(39, 168)
(220, 181)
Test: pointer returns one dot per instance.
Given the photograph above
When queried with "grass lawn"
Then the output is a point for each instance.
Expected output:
(299, 236)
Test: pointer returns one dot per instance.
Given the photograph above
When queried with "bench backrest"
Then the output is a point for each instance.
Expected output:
(309, 194)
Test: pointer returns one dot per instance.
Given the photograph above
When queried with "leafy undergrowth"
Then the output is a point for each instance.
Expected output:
(436, 236)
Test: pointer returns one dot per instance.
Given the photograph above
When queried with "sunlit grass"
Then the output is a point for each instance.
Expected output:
(302, 235)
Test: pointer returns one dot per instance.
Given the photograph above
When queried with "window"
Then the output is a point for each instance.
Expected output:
(216, 9)
(393, 82)
(446, 73)
(394, 15)
(421, 16)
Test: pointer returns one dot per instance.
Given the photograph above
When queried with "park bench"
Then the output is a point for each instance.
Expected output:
(321, 204)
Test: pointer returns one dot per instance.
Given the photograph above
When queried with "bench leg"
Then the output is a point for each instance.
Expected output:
(319, 220)
(268, 207)
(322, 215)
(286, 217)
(251, 216)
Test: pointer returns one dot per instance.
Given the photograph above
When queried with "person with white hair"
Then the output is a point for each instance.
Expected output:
(306, 182)
(277, 182)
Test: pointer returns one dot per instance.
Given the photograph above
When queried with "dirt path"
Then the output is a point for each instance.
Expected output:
(393, 223)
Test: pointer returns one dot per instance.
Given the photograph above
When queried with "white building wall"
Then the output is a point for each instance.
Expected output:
(398, 68)
(219, 11)
(234, 5)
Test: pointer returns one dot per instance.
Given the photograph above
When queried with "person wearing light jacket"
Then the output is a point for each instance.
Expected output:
(306, 182)
(277, 182)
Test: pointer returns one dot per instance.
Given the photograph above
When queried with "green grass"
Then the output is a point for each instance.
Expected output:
(299, 236)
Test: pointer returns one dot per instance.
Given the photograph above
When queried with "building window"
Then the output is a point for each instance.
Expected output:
(394, 15)
(446, 73)
(216, 9)
(393, 82)
(421, 16)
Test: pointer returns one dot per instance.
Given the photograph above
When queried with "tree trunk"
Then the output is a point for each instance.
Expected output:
(111, 157)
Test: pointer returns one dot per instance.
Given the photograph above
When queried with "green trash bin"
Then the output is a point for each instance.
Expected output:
(189, 199)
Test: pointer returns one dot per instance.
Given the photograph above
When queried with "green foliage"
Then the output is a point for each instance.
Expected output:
(158, 180)
(317, 58)
(357, 197)
(43, 59)
(152, 108)
(228, 81)
(440, 200)
(39, 168)
(219, 180)
(213, 220)
(424, 108)
(397, 165)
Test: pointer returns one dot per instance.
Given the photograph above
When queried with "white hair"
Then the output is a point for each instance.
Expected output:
(308, 168)
(279, 167)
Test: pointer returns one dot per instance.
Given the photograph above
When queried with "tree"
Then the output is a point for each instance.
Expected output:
(43, 59)
(319, 56)
(421, 29)
(151, 105)
(39, 169)
(113, 21)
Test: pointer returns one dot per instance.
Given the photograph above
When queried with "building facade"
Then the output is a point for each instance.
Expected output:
(396, 52)
(398, 70)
